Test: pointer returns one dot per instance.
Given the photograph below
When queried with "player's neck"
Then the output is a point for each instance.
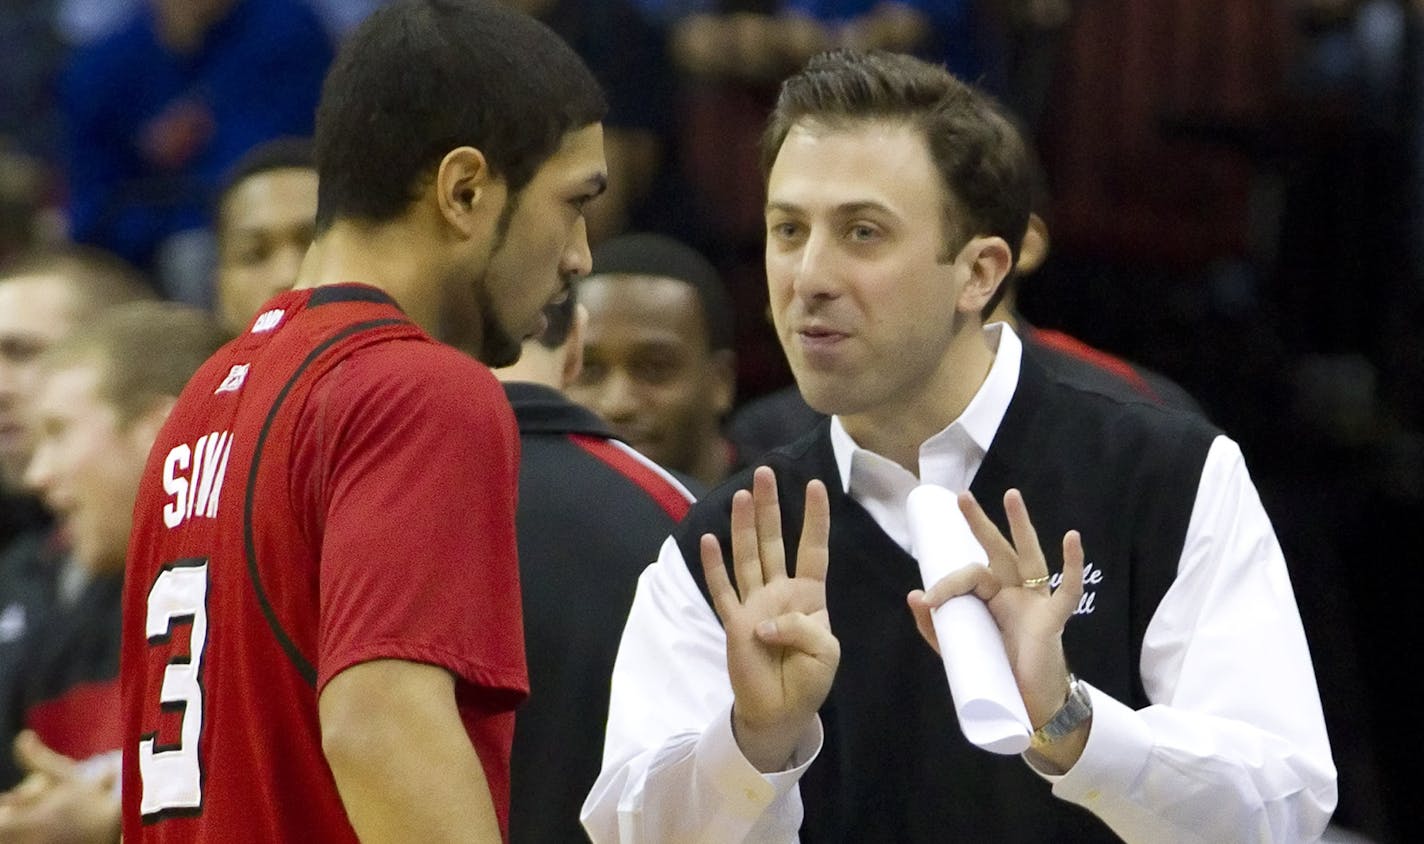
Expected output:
(387, 257)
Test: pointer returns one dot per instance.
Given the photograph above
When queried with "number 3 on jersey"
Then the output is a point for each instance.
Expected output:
(172, 776)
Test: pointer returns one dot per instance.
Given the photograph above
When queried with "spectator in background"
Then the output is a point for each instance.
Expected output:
(342, 16)
(43, 297)
(158, 111)
(658, 364)
(735, 54)
(82, 22)
(592, 513)
(1027, 38)
(105, 391)
(26, 220)
(765, 41)
(266, 216)
(31, 55)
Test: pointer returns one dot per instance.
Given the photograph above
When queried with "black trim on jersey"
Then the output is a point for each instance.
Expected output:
(303, 666)
(170, 707)
(166, 814)
(331, 293)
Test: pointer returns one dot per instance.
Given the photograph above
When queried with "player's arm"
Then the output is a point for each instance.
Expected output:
(403, 763)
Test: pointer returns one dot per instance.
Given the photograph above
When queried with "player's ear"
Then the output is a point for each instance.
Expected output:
(466, 189)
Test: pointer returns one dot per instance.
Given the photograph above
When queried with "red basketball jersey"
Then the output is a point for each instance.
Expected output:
(332, 487)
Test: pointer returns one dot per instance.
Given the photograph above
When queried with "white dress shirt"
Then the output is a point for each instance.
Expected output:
(1233, 747)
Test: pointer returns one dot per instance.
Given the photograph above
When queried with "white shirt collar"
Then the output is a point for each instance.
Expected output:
(950, 458)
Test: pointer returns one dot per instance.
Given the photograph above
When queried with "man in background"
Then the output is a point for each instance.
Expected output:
(158, 111)
(44, 296)
(266, 216)
(104, 392)
(658, 364)
(592, 513)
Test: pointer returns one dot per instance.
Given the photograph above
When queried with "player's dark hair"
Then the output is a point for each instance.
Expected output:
(419, 78)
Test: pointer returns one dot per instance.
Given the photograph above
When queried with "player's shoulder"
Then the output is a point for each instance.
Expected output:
(419, 365)
(416, 376)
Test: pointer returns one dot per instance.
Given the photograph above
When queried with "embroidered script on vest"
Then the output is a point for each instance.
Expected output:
(1092, 575)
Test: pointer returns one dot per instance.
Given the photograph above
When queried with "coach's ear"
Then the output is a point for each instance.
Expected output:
(467, 192)
(987, 260)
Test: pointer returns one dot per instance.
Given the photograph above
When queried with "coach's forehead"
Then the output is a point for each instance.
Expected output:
(866, 163)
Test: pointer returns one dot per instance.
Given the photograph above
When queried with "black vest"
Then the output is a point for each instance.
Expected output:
(895, 766)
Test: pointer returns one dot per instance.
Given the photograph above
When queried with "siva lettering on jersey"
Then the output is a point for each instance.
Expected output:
(195, 493)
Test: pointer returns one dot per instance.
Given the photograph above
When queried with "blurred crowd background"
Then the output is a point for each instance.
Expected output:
(1234, 191)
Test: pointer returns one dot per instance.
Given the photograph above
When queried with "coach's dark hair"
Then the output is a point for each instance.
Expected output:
(981, 158)
(290, 153)
(648, 254)
(419, 78)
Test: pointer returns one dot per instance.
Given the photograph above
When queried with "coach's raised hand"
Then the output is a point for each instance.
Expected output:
(781, 654)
